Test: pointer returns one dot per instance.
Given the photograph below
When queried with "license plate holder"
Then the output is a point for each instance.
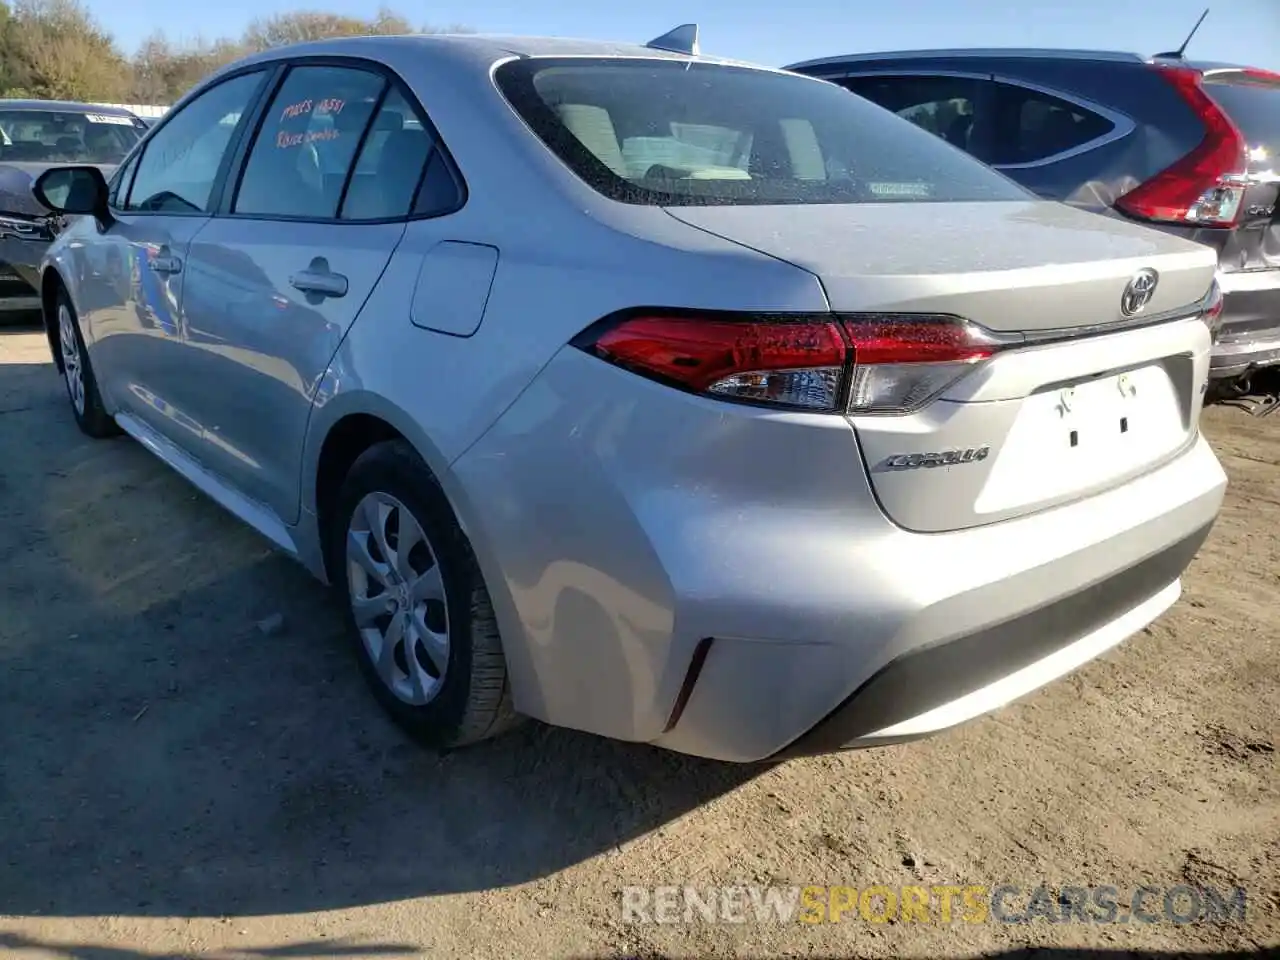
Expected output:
(1081, 436)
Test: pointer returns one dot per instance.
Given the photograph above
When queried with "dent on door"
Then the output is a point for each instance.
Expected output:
(453, 287)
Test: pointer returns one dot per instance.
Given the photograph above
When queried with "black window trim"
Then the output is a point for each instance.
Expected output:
(904, 72)
(224, 167)
(122, 180)
(230, 186)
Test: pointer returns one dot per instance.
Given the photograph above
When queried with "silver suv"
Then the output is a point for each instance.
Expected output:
(641, 392)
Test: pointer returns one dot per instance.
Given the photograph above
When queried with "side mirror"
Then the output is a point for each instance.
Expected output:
(75, 191)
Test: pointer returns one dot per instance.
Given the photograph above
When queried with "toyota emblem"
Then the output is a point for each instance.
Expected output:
(1139, 292)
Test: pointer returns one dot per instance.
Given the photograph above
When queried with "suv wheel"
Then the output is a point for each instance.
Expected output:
(77, 374)
(416, 604)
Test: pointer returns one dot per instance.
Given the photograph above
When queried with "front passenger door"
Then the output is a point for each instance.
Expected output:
(162, 200)
(275, 282)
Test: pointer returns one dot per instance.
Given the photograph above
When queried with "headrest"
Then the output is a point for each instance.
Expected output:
(389, 120)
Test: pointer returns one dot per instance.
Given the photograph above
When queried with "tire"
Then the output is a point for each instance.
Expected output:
(78, 376)
(389, 488)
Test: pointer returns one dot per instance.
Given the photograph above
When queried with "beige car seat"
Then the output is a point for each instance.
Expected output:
(594, 129)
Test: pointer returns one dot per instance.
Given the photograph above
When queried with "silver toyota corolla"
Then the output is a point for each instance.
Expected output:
(646, 393)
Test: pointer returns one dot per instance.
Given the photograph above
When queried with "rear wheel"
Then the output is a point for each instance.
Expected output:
(78, 376)
(416, 604)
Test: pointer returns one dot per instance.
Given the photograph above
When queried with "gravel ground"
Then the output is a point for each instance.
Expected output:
(176, 782)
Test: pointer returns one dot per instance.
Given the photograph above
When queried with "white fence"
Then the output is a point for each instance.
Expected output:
(139, 109)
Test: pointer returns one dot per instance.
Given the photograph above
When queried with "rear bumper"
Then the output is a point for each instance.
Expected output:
(1250, 333)
(979, 619)
(937, 687)
(722, 603)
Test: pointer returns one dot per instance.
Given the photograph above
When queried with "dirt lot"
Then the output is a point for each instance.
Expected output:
(174, 782)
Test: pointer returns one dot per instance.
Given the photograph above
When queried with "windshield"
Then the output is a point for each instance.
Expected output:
(670, 132)
(47, 136)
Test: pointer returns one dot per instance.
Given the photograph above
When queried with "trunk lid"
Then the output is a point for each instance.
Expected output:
(1082, 399)
(1009, 266)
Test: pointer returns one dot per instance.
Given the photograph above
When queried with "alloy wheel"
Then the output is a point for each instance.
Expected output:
(72, 368)
(397, 598)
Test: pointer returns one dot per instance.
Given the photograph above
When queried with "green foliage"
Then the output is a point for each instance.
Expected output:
(54, 49)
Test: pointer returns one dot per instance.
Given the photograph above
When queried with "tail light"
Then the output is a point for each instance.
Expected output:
(900, 364)
(1206, 187)
(855, 364)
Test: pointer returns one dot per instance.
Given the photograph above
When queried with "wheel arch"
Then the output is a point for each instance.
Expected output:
(350, 423)
(50, 283)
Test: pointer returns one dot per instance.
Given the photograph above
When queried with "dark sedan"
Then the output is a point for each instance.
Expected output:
(36, 135)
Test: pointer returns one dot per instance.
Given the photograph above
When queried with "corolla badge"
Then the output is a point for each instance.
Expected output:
(1139, 292)
(940, 458)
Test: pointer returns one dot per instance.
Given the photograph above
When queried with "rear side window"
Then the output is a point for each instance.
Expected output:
(390, 165)
(307, 142)
(945, 106)
(670, 132)
(1252, 101)
(1030, 127)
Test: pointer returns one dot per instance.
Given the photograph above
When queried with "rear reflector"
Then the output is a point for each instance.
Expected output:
(854, 364)
(1206, 187)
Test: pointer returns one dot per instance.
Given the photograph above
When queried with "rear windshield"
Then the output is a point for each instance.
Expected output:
(49, 136)
(1253, 107)
(669, 132)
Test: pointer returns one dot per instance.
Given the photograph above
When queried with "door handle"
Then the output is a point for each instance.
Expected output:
(321, 283)
(166, 263)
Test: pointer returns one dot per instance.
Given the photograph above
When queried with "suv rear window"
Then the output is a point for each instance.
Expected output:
(1252, 104)
(670, 132)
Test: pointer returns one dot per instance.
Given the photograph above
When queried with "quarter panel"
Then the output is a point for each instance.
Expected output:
(609, 499)
(544, 292)
(1164, 129)
(443, 392)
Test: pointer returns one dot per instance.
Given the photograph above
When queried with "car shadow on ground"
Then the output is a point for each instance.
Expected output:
(294, 951)
(1025, 953)
(164, 754)
(353, 951)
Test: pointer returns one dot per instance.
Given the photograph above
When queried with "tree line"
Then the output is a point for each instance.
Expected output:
(56, 50)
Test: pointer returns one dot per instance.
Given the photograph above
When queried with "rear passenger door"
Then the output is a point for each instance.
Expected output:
(326, 185)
